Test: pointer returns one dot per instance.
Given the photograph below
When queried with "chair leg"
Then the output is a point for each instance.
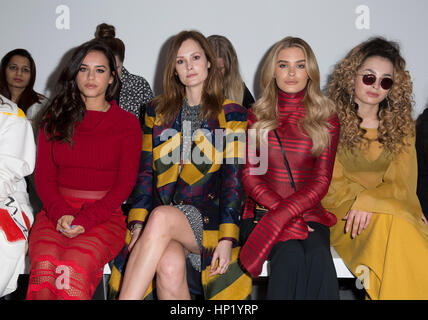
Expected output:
(106, 278)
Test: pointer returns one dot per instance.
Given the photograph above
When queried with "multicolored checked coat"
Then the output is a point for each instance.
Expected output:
(210, 180)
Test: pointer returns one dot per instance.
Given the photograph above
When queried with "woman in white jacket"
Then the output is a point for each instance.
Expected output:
(17, 160)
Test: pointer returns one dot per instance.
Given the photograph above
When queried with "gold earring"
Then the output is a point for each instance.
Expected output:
(351, 99)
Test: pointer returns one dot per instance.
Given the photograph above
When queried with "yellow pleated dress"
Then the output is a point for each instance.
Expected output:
(393, 251)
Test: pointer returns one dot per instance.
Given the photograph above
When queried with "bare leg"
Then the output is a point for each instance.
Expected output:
(171, 280)
(165, 223)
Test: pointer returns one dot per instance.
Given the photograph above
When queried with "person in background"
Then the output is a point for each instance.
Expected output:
(381, 234)
(17, 77)
(421, 145)
(135, 91)
(227, 61)
(301, 129)
(88, 154)
(17, 159)
(191, 202)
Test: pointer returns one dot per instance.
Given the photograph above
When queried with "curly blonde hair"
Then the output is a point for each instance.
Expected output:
(395, 112)
(318, 107)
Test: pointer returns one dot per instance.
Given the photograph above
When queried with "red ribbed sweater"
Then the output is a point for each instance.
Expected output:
(105, 157)
(288, 210)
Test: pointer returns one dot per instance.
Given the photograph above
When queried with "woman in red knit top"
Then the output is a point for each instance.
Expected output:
(294, 232)
(87, 163)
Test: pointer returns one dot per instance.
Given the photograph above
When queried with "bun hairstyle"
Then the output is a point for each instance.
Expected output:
(105, 30)
(107, 34)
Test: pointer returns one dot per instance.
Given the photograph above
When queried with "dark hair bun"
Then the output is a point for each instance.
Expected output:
(107, 34)
(105, 31)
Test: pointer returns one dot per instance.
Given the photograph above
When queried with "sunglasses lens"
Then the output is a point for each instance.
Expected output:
(386, 83)
(369, 79)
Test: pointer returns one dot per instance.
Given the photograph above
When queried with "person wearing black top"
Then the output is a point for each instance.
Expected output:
(135, 91)
(422, 155)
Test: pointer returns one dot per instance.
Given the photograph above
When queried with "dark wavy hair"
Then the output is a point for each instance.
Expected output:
(28, 96)
(67, 107)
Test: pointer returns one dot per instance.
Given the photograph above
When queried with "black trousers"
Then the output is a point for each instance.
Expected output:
(303, 269)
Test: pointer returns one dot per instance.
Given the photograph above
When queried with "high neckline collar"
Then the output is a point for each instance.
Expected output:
(290, 102)
(94, 118)
(111, 104)
(286, 95)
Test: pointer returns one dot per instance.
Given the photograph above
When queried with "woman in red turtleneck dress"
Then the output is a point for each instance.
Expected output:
(87, 164)
(294, 232)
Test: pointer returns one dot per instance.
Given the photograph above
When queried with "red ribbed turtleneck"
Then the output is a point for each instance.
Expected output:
(290, 102)
(104, 157)
(288, 210)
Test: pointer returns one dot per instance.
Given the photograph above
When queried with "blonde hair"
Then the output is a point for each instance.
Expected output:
(317, 106)
(395, 119)
(233, 86)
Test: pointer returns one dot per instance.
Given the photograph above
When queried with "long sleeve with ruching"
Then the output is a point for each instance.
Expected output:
(286, 220)
(288, 210)
(310, 195)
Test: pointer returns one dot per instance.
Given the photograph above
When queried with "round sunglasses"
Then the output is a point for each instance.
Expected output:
(369, 79)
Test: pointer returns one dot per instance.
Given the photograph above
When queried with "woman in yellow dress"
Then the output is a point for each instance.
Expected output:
(381, 233)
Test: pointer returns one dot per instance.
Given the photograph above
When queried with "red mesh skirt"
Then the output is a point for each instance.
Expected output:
(71, 269)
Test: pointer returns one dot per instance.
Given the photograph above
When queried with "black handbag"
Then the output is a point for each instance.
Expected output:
(247, 225)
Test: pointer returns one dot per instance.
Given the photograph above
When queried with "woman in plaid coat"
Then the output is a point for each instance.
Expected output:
(188, 189)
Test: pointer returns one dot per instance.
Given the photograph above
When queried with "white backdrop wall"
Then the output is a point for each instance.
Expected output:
(49, 29)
